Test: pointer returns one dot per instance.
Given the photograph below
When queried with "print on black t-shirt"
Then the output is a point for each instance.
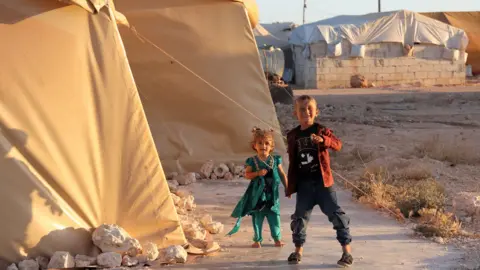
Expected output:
(307, 154)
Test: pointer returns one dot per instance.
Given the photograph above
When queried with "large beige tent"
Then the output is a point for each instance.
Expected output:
(199, 75)
(76, 150)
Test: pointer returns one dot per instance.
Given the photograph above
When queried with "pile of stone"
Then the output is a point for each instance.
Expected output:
(208, 171)
(117, 248)
(196, 227)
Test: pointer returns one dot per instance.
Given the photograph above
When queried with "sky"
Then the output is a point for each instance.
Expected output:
(292, 10)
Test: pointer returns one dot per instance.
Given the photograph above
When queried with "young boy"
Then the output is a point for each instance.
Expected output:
(311, 178)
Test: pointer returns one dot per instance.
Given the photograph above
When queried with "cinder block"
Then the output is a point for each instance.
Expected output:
(408, 76)
(429, 82)
(368, 62)
(459, 75)
(370, 76)
(363, 70)
(330, 77)
(421, 75)
(425, 67)
(409, 61)
(452, 67)
(321, 78)
(433, 75)
(388, 70)
(328, 63)
(322, 70)
(379, 62)
(383, 77)
(461, 68)
(442, 81)
(401, 69)
(395, 62)
(396, 76)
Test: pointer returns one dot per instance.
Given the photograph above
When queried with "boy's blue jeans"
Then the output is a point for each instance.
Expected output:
(310, 194)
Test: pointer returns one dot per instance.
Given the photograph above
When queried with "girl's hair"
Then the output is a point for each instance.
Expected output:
(261, 134)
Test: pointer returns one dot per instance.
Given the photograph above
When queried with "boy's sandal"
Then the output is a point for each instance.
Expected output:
(294, 258)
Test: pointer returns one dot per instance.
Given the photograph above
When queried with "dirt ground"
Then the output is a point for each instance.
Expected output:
(382, 126)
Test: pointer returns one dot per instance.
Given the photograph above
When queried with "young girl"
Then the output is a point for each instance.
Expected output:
(261, 199)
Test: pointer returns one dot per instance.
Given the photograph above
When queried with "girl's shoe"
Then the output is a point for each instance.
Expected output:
(256, 245)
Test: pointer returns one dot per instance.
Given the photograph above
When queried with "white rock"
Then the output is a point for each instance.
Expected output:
(129, 261)
(215, 227)
(175, 254)
(186, 179)
(182, 193)
(467, 203)
(176, 199)
(142, 258)
(109, 259)
(84, 261)
(171, 175)
(172, 185)
(42, 262)
(12, 267)
(220, 170)
(28, 265)
(192, 230)
(151, 250)
(228, 176)
(231, 167)
(113, 238)
(439, 240)
(206, 219)
(190, 203)
(181, 211)
(239, 171)
(61, 259)
(207, 169)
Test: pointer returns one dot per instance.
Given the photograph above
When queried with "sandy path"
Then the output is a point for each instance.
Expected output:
(379, 241)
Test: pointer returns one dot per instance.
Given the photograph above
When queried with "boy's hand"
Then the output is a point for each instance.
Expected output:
(316, 139)
(262, 172)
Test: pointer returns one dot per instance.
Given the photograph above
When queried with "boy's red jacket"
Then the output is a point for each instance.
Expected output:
(330, 141)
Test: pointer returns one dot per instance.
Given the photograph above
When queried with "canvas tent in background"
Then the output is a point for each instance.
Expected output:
(197, 119)
(275, 51)
(470, 22)
(401, 26)
(76, 150)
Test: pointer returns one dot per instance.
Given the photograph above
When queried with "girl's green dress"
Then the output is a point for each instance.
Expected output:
(261, 199)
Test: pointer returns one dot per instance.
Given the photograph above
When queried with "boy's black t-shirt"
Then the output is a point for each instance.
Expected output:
(308, 164)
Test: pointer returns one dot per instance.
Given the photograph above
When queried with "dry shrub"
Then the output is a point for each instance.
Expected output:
(406, 195)
(437, 223)
(448, 150)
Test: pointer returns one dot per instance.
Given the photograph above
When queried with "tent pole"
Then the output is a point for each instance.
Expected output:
(304, 8)
(379, 5)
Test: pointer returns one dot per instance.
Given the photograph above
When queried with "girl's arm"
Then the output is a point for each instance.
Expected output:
(283, 175)
(249, 174)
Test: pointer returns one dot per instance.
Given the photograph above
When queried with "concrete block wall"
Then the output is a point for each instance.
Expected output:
(384, 64)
